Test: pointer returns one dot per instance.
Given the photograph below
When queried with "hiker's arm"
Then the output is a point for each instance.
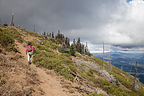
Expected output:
(33, 50)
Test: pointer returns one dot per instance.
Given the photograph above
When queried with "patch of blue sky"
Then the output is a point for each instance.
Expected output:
(129, 0)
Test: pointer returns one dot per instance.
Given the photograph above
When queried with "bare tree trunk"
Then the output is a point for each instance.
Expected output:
(103, 57)
(135, 85)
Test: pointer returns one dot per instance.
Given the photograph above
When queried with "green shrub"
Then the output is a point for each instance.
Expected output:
(117, 83)
(72, 68)
(14, 34)
(78, 54)
(95, 94)
(90, 72)
(122, 78)
(111, 88)
(5, 24)
(11, 48)
(54, 41)
(31, 33)
(83, 75)
(59, 63)
(67, 50)
(6, 39)
(63, 50)
(51, 45)
(64, 72)
(72, 51)
(65, 54)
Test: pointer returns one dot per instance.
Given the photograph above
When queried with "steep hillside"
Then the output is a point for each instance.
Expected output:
(55, 72)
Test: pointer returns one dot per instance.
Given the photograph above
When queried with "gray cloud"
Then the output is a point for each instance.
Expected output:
(50, 15)
(111, 21)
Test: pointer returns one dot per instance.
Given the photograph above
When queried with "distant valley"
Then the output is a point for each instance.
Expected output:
(125, 61)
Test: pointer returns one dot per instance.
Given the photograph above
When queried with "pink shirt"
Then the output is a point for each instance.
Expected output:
(28, 47)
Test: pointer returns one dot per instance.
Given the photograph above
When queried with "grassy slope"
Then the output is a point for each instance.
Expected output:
(46, 55)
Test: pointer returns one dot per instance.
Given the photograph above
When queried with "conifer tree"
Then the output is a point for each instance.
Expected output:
(52, 34)
(74, 44)
(78, 46)
(67, 41)
(60, 37)
(72, 50)
(44, 33)
(82, 48)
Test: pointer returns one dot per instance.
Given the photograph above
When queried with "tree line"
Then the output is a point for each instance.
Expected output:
(76, 45)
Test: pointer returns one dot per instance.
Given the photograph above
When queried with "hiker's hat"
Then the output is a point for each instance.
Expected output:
(29, 43)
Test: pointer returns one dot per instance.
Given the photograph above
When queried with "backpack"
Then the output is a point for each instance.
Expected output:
(29, 48)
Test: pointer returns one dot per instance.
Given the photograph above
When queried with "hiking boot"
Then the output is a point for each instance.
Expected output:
(29, 62)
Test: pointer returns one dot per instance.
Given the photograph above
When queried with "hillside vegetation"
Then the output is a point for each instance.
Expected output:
(81, 73)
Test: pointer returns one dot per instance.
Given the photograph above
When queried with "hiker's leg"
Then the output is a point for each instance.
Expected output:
(28, 57)
(31, 56)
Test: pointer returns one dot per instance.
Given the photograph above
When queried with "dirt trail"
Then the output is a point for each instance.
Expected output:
(49, 84)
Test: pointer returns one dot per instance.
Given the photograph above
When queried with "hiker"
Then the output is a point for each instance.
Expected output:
(29, 51)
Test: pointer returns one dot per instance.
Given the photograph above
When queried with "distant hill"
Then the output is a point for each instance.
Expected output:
(58, 69)
(126, 61)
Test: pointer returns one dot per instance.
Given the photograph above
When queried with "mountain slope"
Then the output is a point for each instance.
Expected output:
(29, 80)
(54, 73)
(49, 84)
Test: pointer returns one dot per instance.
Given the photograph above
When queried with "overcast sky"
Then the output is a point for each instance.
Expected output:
(116, 22)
